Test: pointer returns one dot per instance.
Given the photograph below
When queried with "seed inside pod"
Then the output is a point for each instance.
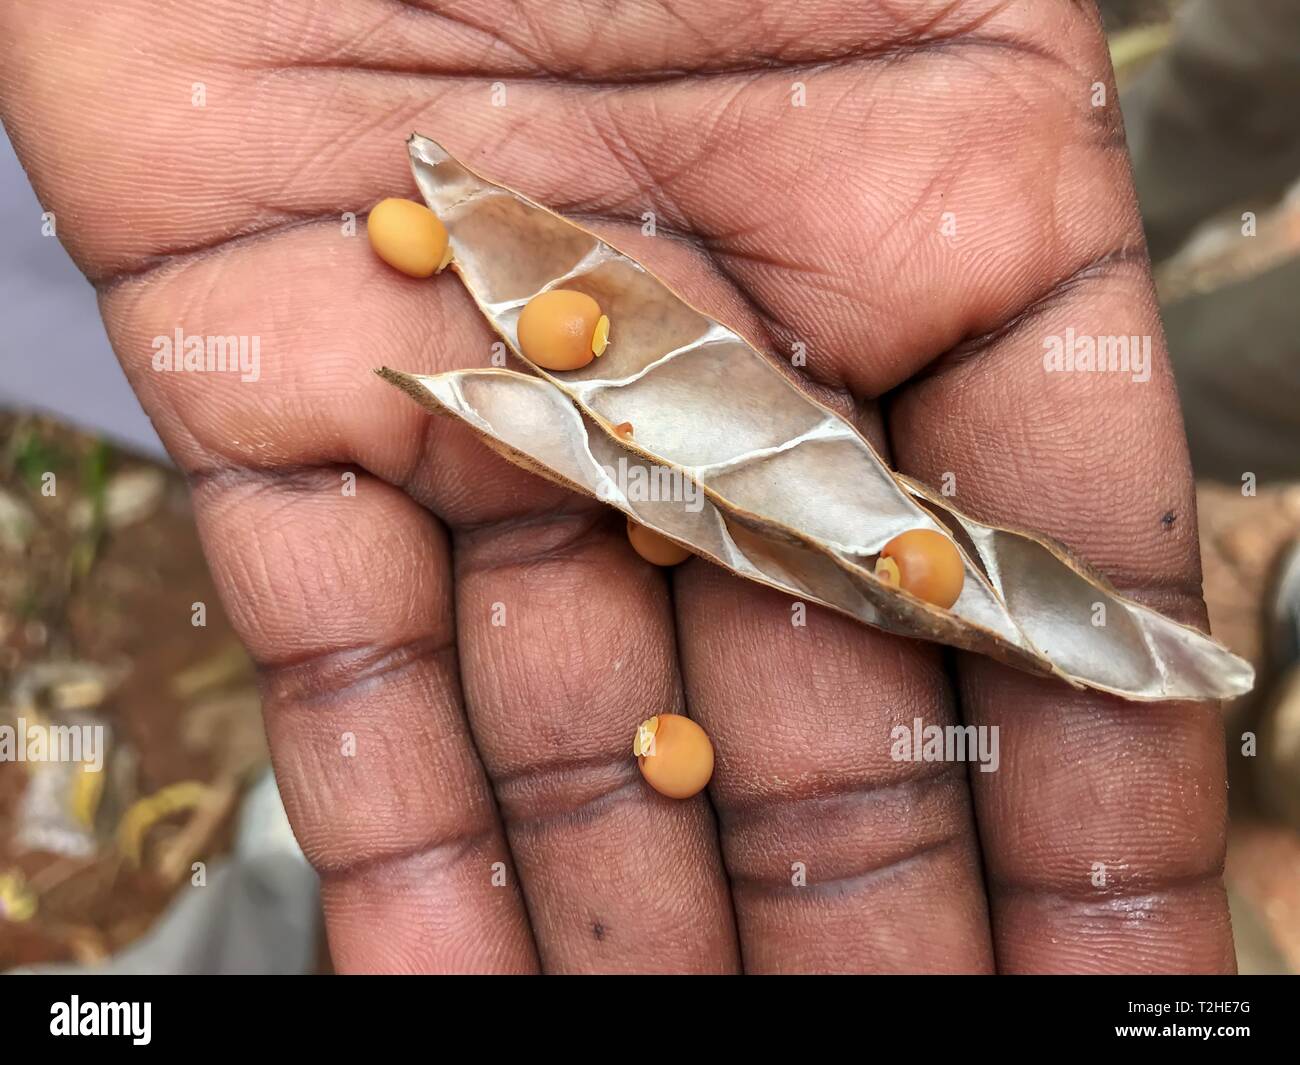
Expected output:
(624, 430)
(674, 755)
(408, 237)
(562, 330)
(655, 549)
(925, 563)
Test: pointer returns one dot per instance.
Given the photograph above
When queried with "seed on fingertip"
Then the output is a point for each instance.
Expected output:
(676, 759)
(408, 237)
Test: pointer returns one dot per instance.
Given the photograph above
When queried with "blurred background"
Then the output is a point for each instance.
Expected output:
(99, 581)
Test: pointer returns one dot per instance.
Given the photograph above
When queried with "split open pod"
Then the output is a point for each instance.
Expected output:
(788, 493)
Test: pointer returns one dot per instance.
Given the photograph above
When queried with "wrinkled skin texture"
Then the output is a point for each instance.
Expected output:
(823, 225)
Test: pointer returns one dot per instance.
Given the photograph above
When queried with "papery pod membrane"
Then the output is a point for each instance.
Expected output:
(1147, 652)
(537, 427)
(704, 400)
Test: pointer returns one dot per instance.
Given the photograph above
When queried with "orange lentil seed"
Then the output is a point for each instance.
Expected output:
(561, 329)
(408, 237)
(655, 549)
(925, 563)
(674, 755)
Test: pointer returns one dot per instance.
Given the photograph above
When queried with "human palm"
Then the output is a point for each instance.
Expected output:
(455, 654)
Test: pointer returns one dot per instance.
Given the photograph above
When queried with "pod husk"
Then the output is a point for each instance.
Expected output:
(796, 490)
(534, 425)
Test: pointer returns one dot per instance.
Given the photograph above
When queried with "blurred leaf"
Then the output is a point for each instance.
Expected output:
(34, 457)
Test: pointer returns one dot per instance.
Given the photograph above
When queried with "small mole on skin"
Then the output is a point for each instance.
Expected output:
(1168, 520)
(599, 930)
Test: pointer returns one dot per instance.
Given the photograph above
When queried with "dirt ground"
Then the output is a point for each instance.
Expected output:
(100, 568)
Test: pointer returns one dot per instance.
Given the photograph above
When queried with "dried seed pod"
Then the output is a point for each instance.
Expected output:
(925, 564)
(408, 237)
(655, 548)
(562, 329)
(537, 427)
(674, 755)
(772, 459)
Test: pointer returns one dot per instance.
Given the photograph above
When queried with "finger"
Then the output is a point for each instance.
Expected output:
(344, 599)
(568, 644)
(555, 732)
(841, 859)
(1103, 832)
(587, 649)
(344, 603)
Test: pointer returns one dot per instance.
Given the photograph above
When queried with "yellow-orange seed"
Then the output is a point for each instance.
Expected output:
(408, 237)
(925, 563)
(655, 549)
(674, 755)
(562, 330)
